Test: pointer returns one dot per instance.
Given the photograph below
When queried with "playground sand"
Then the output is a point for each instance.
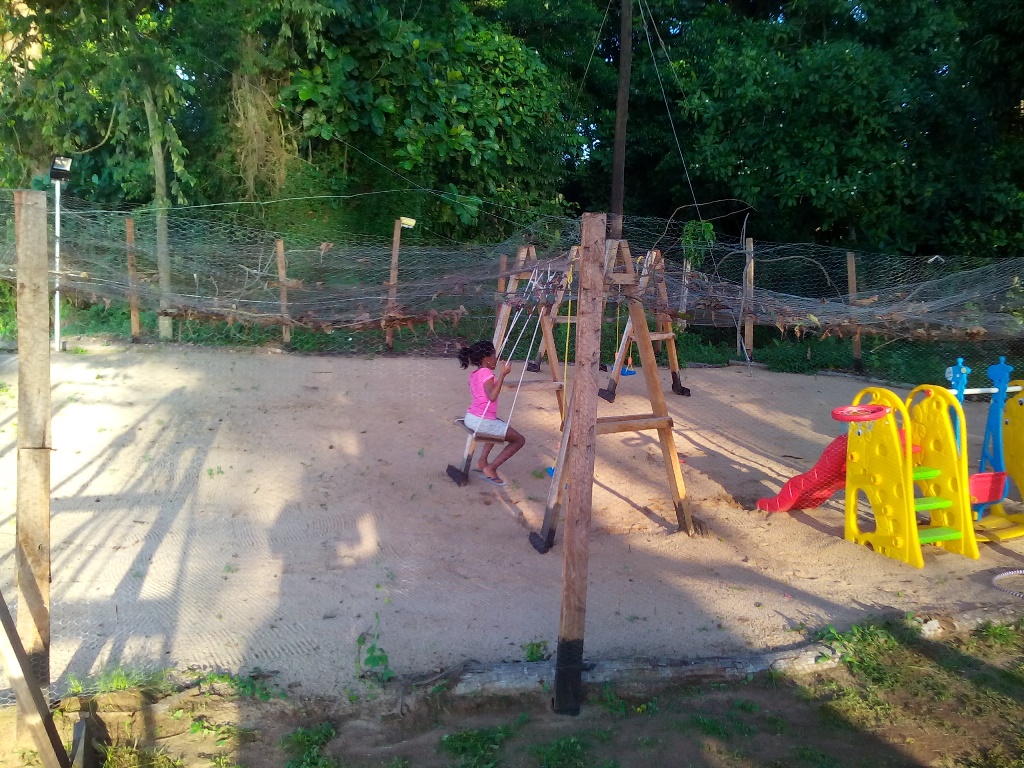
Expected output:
(236, 509)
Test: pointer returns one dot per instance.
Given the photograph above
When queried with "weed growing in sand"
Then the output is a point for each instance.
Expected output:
(305, 747)
(211, 472)
(222, 732)
(126, 756)
(997, 634)
(568, 752)
(371, 659)
(121, 679)
(536, 650)
(481, 747)
(252, 686)
(611, 701)
(709, 726)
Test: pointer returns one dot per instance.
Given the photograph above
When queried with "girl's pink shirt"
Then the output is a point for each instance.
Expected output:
(481, 406)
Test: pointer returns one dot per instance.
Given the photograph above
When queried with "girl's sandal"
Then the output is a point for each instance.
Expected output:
(494, 480)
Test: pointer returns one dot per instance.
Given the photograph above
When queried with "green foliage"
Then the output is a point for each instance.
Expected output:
(8, 313)
(305, 747)
(693, 346)
(371, 659)
(122, 679)
(127, 756)
(536, 650)
(568, 752)
(481, 748)
(251, 686)
(807, 356)
(462, 106)
(696, 240)
(998, 634)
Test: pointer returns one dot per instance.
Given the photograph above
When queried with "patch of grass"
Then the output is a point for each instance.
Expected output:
(998, 634)
(568, 752)
(126, 756)
(251, 686)
(709, 726)
(776, 725)
(481, 747)
(815, 758)
(743, 705)
(536, 650)
(304, 747)
(648, 742)
(693, 347)
(853, 707)
(122, 679)
(611, 701)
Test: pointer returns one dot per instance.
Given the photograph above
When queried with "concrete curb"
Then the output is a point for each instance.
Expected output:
(538, 677)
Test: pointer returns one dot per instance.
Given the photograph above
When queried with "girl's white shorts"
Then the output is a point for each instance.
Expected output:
(489, 427)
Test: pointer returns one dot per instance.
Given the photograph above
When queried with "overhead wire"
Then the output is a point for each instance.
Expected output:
(661, 86)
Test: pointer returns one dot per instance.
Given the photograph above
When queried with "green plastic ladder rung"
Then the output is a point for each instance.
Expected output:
(926, 473)
(932, 535)
(926, 503)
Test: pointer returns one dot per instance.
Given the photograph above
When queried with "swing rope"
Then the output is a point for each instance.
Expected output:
(529, 352)
(508, 335)
(565, 357)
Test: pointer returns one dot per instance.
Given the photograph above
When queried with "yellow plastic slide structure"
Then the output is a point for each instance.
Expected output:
(891, 455)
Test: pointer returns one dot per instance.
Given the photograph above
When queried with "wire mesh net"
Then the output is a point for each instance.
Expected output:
(223, 269)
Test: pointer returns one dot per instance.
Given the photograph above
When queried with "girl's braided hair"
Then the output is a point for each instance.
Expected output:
(475, 353)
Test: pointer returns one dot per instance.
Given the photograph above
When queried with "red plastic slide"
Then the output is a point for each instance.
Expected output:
(814, 487)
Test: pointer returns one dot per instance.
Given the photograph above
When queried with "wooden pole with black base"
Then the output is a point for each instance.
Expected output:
(579, 465)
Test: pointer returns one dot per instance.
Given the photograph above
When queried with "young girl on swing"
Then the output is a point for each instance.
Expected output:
(482, 414)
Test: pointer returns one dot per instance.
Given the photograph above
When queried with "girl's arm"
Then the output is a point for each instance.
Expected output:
(493, 387)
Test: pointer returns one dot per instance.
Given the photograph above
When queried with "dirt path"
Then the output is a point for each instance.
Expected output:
(228, 509)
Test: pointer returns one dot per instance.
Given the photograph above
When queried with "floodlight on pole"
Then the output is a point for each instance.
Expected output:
(60, 170)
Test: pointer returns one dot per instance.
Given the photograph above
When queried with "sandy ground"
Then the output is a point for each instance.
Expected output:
(234, 509)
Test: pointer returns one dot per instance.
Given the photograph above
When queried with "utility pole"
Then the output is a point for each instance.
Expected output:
(621, 115)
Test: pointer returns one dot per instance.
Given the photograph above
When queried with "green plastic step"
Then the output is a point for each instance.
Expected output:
(932, 535)
(926, 503)
(926, 473)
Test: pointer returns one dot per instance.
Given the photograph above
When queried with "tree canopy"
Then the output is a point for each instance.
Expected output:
(872, 124)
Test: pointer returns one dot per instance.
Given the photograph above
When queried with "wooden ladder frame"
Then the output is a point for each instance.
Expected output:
(653, 272)
(620, 271)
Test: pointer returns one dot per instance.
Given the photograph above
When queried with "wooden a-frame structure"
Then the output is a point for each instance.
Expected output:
(620, 271)
(650, 276)
(548, 297)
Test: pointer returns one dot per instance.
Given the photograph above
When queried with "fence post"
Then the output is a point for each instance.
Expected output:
(32, 550)
(133, 281)
(851, 289)
(396, 240)
(502, 268)
(282, 279)
(748, 300)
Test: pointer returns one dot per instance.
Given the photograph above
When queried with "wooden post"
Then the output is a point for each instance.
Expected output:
(503, 268)
(580, 468)
(748, 300)
(33, 710)
(396, 240)
(851, 288)
(32, 549)
(282, 280)
(133, 283)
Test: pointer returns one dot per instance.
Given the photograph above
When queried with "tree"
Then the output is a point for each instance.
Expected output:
(461, 108)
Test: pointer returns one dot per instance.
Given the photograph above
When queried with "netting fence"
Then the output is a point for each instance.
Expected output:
(223, 266)
(915, 315)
